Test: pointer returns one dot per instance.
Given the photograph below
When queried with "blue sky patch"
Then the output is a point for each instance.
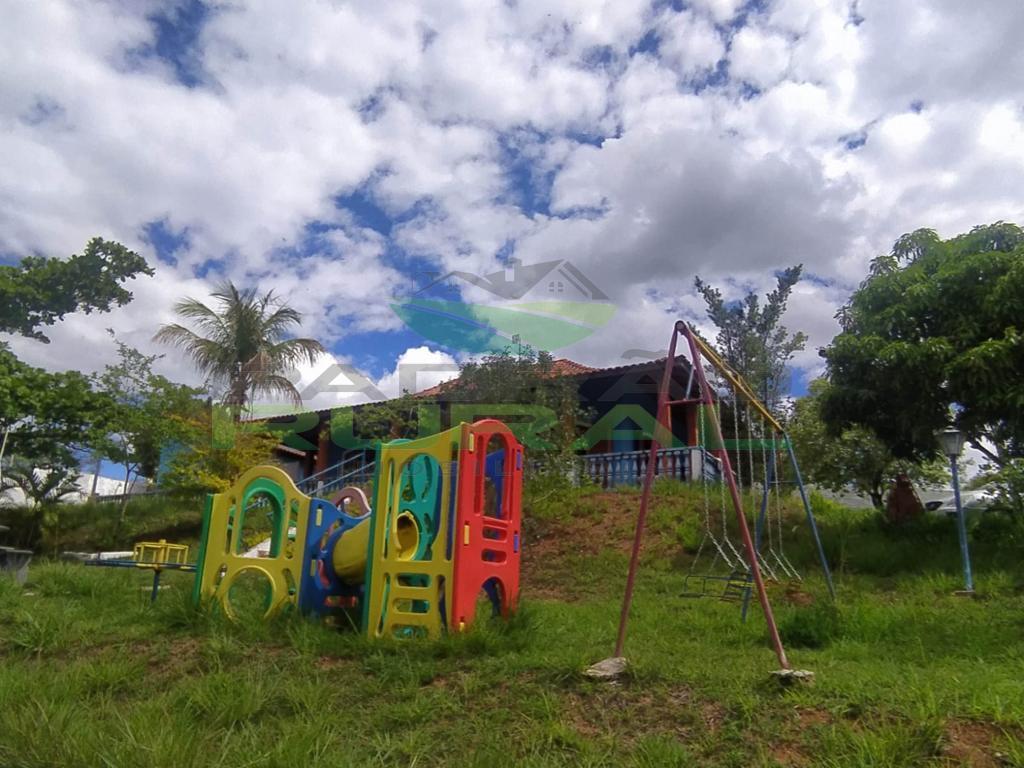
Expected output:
(176, 31)
(165, 241)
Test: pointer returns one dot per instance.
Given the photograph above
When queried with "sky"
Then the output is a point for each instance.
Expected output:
(338, 152)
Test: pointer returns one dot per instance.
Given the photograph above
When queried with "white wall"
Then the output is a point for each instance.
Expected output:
(104, 486)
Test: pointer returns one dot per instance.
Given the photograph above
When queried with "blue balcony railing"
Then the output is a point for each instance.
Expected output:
(629, 467)
(355, 469)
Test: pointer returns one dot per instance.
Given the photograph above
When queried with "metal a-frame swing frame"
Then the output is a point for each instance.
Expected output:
(662, 434)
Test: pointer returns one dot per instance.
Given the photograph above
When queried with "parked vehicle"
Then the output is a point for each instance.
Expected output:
(978, 500)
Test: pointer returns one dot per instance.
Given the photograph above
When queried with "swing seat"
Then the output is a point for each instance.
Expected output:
(737, 587)
(705, 589)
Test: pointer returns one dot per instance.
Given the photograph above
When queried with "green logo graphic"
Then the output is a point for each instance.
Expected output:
(547, 305)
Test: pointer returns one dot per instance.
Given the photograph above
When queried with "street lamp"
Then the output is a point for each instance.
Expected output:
(952, 442)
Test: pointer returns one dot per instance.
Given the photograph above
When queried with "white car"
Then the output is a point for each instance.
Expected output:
(977, 500)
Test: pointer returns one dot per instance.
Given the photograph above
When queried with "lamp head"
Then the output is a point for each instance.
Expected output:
(952, 441)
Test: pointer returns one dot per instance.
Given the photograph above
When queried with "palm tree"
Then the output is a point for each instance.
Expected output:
(241, 343)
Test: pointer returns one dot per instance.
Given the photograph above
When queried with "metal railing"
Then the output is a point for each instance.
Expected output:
(629, 467)
(355, 469)
(605, 469)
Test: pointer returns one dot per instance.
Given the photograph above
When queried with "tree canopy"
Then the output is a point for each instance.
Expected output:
(40, 290)
(855, 458)
(146, 414)
(526, 378)
(242, 343)
(47, 414)
(750, 337)
(936, 328)
(211, 450)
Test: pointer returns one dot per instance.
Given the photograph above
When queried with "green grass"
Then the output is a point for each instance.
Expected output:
(906, 673)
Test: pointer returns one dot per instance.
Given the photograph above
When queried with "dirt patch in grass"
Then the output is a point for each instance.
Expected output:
(789, 754)
(176, 658)
(334, 663)
(604, 523)
(626, 712)
(971, 743)
(809, 718)
(796, 596)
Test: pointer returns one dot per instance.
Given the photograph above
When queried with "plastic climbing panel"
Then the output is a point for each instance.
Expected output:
(487, 528)
(261, 500)
(323, 589)
(409, 567)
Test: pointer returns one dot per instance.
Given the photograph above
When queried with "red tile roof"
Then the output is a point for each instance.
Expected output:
(561, 366)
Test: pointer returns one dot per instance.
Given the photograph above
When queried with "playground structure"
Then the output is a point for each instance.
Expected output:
(723, 396)
(155, 556)
(442, 530)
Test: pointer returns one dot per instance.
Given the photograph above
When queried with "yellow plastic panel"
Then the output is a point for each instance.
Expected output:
(221, 553)
(406, 580)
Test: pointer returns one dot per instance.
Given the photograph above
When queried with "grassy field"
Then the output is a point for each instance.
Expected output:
(906, 673)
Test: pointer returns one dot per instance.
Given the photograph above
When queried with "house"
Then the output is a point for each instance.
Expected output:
(558, 279)
(547, 305)
(324, 446)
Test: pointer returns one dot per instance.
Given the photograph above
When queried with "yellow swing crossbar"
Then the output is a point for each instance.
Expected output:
(737, 382)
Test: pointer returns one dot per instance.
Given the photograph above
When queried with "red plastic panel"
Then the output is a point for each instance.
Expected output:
(487, 548)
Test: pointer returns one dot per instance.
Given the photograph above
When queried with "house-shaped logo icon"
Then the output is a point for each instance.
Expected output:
(548, 305)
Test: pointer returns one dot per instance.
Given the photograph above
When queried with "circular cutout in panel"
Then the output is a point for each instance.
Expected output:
(419, 492)
(250, 595)
(258, 523)
(490, 600)
(407, 536)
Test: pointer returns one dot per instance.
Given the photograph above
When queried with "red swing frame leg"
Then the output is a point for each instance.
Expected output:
(661, 432)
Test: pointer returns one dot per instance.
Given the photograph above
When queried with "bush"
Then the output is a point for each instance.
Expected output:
(97, 525)
(814, 626)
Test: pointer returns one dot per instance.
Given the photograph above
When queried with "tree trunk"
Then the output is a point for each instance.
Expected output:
(124, 488)
(95, 477)
(877, 493)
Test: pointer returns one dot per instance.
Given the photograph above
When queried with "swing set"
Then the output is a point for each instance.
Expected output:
(755, 457)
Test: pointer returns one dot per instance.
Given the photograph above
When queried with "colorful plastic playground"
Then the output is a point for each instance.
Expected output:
(443, 528)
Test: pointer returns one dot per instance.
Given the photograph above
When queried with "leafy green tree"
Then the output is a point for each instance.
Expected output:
(241, 343)
(519, 386)
(525, 377)
(44, 414)
(855, 459)
(42, 480)
(389, 419)
(212, 452)
(936, 327)
(145, 416)
(45, 481)
(750, 338)
(40, 290)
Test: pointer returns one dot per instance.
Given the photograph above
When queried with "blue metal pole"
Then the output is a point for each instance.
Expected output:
(810, 516)
(156, 585)
(759, 528)
(965, 554)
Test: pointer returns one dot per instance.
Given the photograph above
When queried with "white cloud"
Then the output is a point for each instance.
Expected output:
(720, 10)
(416, 369)
(690, 43)
(758, 57)
(870, 120)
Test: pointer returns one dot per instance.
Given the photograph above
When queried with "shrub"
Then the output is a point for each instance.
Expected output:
(814, 626)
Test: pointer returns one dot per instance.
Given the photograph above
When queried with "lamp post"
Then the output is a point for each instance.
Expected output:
(952, 441)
